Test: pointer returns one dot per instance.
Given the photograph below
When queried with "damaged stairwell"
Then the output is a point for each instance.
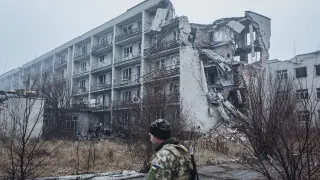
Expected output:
(221, 54)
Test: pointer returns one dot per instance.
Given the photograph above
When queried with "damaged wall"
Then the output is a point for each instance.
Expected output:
(192, 91)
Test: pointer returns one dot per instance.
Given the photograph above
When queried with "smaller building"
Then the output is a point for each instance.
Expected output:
(17, 112)
(304, 71)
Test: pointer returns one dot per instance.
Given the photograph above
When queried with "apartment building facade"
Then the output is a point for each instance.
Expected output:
(110, 65)
(304, 71)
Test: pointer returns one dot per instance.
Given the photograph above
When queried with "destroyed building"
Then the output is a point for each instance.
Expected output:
(109, 66)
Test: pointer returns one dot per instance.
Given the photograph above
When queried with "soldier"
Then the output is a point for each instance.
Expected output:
(171, 159)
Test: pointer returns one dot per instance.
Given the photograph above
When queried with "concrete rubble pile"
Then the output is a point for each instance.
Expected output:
(224, 134)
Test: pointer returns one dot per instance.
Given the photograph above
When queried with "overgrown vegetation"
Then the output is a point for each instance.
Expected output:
(281, 127)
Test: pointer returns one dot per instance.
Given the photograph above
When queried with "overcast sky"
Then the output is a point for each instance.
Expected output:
(31, 28)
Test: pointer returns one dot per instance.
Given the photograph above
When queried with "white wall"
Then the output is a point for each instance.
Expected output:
(16, 108)
(192, 94)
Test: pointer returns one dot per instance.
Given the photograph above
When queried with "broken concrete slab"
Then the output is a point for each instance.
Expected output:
(159, 19)
(236, 26)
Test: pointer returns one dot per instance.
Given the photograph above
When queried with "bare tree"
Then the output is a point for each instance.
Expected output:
(283, 138)
(25, 151)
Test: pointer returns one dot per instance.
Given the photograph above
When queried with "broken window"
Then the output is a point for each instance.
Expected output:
(317, 67)
(138, 93)
(125, 119)
(127, 29)
(304, 116)
(159, 64)
(82, 83)
(138, 71)
(176, 35)
(101, 59)
(104, 39)
(83, 66)
(139, 47)
(62, 57)
(84, 49)
(211, 74)
(139, 24)
(302, 94)
(174, 61)
(301, 72)
(318, 93)
(126, 95)
(282, 74)
(126, 73)
(127, 52)
(71, 124)
(102, 78)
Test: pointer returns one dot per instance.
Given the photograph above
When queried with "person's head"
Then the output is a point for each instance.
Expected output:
(160, 130)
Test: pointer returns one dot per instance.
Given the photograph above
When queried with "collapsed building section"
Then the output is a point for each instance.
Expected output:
(214, 59)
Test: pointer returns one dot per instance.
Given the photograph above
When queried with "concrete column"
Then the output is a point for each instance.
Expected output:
(112, 74)
(41, 72)
(53, 61)
(113, 59)
(20, 74)
(90, 63)
(70, 64)
(11, 83)
(142, 67)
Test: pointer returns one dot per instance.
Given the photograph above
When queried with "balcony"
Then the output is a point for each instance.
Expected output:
(101, 48)
(165, 47)
(81, 55)
(131, 81)
(80, 105)
(126, 103)
(79, 73)
(101, 66)
(130, 34)
(100, 106)
(80, 91)
(101, 86)
(60, 63)
(132, 58)
(162, 73)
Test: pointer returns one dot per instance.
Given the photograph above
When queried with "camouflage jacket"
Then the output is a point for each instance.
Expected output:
(172, 161)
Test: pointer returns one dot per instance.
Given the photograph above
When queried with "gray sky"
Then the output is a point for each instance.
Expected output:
(31, 28)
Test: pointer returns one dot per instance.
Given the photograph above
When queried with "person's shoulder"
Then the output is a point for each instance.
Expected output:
(165, 151)
(163, 158)
(176, 149)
